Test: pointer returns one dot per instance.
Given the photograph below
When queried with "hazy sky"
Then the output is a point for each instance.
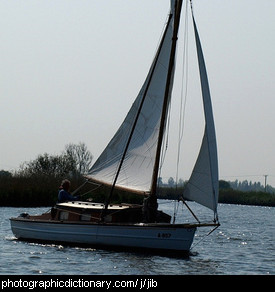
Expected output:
(70, 70)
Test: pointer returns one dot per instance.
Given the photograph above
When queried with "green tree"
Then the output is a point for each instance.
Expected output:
(171, 182)
(224, 185)
(49, 166)
(160, 183)
(81, 156)
(5, 174)
(74, 161)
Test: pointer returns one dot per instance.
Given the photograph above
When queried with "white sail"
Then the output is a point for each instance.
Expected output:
(203, 186)
(142, 125)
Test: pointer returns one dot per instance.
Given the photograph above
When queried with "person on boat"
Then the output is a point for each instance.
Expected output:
(149, 209)
(63, 194)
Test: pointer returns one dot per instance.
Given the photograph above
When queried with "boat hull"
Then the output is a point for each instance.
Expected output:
(159, 237)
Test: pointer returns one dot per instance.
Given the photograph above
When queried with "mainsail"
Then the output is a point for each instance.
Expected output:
(203, 186)
(129, 158)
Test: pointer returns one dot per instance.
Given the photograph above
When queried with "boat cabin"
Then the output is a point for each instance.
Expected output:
(77, 211)
(91, 212)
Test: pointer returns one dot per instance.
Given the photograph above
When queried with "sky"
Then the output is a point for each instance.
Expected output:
(70, 70)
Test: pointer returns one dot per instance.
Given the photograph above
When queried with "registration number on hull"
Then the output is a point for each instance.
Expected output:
(164, 235)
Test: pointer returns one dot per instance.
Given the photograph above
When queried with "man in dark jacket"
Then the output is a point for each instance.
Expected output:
(64, 195)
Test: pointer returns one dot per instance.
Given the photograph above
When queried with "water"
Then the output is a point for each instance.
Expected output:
(243, 244)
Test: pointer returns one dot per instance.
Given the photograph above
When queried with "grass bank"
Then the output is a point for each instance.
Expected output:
(247, 198)
(228, 196)
(43, 191)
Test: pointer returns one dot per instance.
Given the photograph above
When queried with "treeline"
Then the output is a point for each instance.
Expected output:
(249, 186)
(246, 198)
(245, 186)
(227, 194)
(43, 191)
(36, 183)
(16, 191)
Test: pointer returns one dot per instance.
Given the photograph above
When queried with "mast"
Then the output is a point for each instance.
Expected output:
(177, 11)
(107, 202)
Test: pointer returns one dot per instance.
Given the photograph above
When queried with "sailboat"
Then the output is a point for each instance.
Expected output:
(131, 162)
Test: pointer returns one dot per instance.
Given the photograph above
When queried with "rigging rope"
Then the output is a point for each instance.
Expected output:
(184, 83)
(184, 89)
(203, 238)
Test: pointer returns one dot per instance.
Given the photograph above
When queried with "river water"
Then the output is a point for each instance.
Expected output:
(243, 244)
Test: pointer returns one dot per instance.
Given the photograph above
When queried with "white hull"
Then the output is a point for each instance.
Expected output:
(170, 237)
